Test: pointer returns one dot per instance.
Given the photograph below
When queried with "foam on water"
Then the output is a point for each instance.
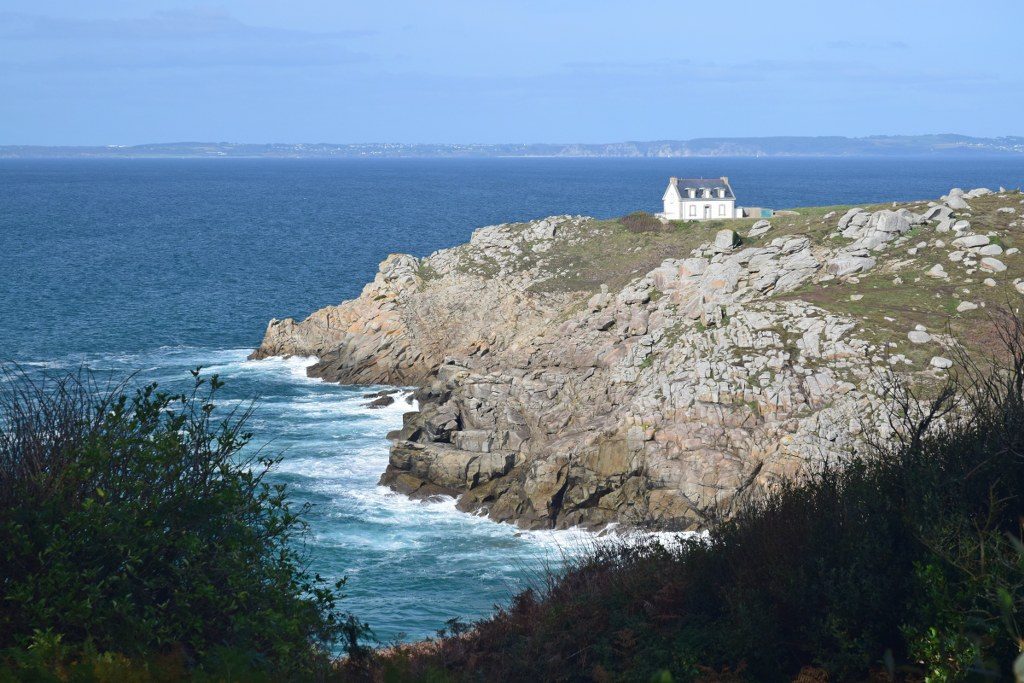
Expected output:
(411, 564)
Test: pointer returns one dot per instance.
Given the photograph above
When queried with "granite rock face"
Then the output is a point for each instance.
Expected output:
(654, 403)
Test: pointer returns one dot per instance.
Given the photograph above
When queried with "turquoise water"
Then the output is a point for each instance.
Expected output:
(156, 267)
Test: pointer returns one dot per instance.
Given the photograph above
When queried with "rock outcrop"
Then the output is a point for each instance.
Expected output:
(553, 397)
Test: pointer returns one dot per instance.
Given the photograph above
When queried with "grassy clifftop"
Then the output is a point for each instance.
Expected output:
(889, 300)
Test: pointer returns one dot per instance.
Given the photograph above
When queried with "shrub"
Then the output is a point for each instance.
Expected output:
(641, 221)
(904, 565)
(138, 525)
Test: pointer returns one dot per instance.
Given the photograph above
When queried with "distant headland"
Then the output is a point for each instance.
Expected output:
(872, 146)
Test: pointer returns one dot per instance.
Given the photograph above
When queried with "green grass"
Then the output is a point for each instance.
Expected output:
(606, 252)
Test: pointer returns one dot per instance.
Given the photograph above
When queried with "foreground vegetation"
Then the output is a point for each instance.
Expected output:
(139, 541)
(906, 565)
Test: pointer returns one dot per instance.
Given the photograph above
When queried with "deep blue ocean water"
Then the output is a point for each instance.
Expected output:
(157, 266)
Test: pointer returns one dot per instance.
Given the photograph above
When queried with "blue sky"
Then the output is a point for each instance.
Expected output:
(127, 72)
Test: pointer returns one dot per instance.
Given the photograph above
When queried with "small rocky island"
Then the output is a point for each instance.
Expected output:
(575, 371)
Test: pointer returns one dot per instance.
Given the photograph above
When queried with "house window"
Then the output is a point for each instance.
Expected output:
(693, 209)
(721, 209)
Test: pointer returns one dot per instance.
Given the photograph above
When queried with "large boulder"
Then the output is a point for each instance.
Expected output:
(844, 222)
(759, 228)
(938, 213)
(970, 241)
(890, 222)
(919, 336)
(726, 240)
(992, 265)
(849, 265)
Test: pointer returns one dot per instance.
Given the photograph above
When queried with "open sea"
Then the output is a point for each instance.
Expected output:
(159, 266)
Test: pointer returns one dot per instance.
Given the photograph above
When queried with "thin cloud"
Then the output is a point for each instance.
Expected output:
(663, 73)
(867, 45)
(192, 39)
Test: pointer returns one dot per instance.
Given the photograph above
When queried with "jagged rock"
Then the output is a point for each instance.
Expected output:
(599, 300)
(938, 213)
(726, 240)
(381, 402)
(891, 221)
(940, 362)
(551, 400)
(844, 222)
(938, 272)
(957, 204)
(759, 228)
(965, 306)
(381, 393)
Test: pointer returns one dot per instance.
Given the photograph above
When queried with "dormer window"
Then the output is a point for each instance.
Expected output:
(708, 192)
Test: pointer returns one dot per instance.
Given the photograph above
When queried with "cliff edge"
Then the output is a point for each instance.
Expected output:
(574, 371)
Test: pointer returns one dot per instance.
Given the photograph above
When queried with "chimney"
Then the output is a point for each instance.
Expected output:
(673, 181)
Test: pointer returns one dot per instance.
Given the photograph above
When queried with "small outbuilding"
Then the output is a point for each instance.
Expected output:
(699, 199)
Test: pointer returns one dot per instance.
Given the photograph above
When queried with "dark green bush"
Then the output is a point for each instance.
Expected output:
(138, 523)
(641, 221)
(904, 565)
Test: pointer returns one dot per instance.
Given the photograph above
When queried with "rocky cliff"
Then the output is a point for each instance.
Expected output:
(573, 371)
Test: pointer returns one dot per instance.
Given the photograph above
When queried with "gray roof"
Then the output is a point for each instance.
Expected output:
(706, 183)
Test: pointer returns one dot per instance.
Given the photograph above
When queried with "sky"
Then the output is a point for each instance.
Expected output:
(488, 71)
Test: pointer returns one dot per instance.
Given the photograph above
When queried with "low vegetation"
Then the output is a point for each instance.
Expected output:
(906, 565)
(641, 221)
(140, 540)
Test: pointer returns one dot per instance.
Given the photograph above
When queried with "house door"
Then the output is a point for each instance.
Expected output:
(707, 211)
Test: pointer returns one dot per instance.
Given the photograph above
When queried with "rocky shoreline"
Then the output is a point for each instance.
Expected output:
(572, 372)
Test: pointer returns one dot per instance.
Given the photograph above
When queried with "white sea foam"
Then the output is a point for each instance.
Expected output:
(334, 451)
(237, 363)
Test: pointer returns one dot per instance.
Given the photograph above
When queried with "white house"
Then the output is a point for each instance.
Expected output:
(699, 199)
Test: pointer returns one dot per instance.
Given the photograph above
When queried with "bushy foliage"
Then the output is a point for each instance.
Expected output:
(137, 527)
(904, 565)
(641, 221)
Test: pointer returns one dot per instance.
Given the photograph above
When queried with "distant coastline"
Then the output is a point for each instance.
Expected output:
(829, 146)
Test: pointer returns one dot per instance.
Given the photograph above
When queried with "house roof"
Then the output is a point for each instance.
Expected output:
(705, 183)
